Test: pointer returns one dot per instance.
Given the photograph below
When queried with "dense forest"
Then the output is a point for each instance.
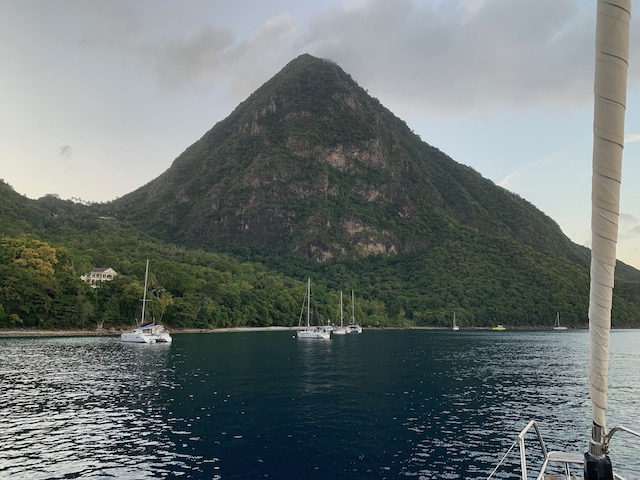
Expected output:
(40, 287)
(309, 177)
(43, 255)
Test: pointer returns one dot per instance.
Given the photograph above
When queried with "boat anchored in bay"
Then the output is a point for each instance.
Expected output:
(556, 325)
(353, 326)
(308, 331)
(341, 330)
(146, 332)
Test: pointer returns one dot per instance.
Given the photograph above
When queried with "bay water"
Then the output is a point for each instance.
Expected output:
(428, 404)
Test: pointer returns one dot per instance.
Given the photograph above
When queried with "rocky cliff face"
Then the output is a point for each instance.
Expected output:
(311, 164)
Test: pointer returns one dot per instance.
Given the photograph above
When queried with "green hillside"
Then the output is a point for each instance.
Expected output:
(308, 177)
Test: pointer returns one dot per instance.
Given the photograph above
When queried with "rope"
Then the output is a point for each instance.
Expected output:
(515, 442)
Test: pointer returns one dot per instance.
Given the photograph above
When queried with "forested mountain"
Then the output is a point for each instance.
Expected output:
(311, 164)
(308, 177)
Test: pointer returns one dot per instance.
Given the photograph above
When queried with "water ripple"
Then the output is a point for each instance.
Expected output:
(71, 411)
(384, 405)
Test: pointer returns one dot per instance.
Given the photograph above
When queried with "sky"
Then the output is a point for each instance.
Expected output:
(97, 98)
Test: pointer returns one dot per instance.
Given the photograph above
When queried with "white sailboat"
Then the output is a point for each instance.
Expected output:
(147, 332)
(455, 327)
(341, 330)
(612, 55)
(353, 326)
(308, 331)
(556, 325)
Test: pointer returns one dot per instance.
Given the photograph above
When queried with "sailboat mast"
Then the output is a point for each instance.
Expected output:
(353, 309)
(341, 311)
(144, 293)
(308, 300)
(610, 87)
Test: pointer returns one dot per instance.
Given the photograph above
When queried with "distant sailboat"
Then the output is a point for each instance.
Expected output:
(455, 327)
(309, 331)
(340, 330)
(353, 326)
(557, 326)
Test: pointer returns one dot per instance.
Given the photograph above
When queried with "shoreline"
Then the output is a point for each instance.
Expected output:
(116, 333)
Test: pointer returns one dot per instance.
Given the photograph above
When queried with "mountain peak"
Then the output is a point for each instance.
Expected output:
(311, 164)
(307, 60)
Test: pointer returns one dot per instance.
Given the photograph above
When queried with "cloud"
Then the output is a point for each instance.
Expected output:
(180, 62)
(629, 226)
(266, 52)
(634, 232)
(213, 53)
(632, 138)
(65, 151)
(460, 56)
(504, 183)
(109, 24)
(438, 57)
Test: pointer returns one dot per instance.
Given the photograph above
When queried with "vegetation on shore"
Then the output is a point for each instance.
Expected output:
(40, 287)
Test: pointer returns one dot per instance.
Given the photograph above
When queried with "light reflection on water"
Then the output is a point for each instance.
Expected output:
(84, 407)
(384, 404)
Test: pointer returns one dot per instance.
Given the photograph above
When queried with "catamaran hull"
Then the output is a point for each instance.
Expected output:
(321, 334)
(134, 337)
(149, 333)
(163, 338)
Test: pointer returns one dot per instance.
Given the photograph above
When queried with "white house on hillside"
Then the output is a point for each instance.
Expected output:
(98, 275)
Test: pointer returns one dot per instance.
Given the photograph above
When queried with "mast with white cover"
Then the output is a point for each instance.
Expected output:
(610, 89)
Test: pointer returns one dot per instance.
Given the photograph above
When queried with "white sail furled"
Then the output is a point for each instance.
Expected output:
(612, 53)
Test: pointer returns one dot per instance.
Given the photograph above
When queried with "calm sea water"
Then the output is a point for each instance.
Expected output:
(381, 405)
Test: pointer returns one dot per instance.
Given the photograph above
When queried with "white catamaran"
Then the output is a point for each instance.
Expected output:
(147, 332)
(309, 331)
(612, 54)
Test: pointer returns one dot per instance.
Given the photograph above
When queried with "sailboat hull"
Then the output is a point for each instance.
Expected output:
(136, 337)
(146, 332)
(320, 333)
(149, 333)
